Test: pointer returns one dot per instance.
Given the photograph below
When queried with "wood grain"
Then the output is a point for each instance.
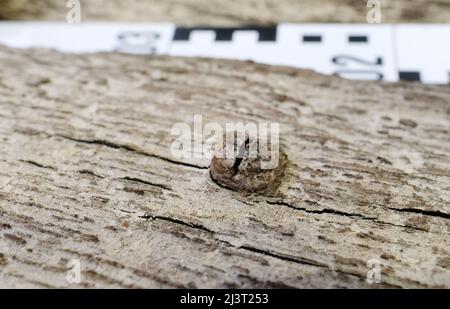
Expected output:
(86, 173)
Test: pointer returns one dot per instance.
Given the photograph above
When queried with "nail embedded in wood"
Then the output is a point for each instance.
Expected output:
(242, 164)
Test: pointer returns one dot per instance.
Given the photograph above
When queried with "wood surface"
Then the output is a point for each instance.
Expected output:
(86, 173)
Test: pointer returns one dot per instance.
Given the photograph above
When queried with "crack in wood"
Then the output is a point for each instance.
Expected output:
(297, 260)
(176, 221)
(350, 215)
(146, 182)
(39, 164)
(321, 211)
(241, 154)
(279, 256)
(430, 213)
(127, 148)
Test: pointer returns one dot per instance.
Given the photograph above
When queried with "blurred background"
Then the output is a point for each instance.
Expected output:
(231, 12)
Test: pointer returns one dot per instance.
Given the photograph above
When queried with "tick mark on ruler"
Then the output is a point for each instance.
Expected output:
(312, 38)
(358, 38)
(409, 76)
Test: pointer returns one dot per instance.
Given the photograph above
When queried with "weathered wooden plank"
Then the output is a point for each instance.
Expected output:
(86, 173)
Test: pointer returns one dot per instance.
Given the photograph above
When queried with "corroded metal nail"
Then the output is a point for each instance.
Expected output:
(241, 164)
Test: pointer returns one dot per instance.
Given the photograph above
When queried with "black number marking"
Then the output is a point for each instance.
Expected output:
(344, 60)
(369, 69)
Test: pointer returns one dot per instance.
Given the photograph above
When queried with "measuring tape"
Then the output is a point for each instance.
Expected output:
(413, 52)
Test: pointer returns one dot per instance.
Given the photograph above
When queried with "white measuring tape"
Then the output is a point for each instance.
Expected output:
(370, 52)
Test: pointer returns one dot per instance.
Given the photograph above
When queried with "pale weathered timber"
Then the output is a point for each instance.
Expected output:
(231, 12)
(86, 173)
